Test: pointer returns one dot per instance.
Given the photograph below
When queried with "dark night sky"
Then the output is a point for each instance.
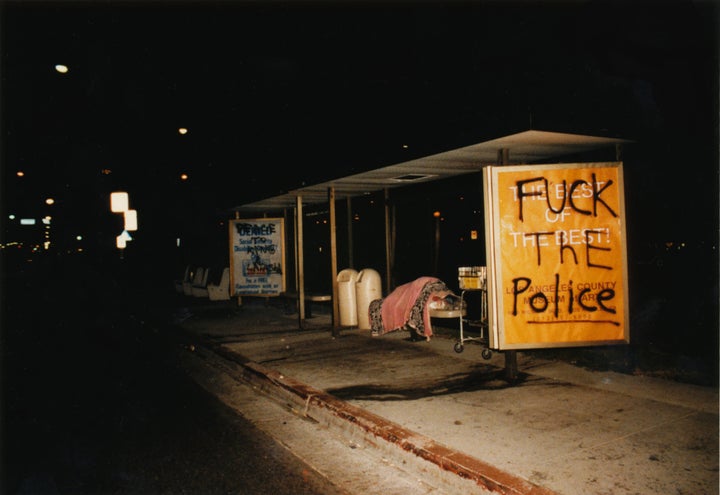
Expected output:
(277, 94)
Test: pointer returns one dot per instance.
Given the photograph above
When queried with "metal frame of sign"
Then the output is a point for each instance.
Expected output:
(556, 255)
(257, 256)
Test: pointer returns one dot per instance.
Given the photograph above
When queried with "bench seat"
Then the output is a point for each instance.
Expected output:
(310, 297)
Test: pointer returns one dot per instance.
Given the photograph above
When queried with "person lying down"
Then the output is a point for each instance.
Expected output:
(408, 307)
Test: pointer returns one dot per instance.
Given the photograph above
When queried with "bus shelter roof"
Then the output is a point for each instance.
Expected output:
(531, 146)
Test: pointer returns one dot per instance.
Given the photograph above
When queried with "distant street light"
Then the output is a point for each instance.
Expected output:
(62, 69)
(49, 201)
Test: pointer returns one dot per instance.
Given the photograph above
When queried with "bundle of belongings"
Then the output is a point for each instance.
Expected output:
(408, 307)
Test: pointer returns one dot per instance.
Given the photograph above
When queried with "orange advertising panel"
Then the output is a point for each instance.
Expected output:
(557, 265)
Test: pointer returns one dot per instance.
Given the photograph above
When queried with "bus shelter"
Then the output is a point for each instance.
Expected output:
(533, 151)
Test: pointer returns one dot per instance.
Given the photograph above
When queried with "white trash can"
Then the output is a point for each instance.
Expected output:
(347, 301)
(368, 288)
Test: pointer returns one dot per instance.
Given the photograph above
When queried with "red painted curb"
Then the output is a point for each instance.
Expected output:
(484, 475)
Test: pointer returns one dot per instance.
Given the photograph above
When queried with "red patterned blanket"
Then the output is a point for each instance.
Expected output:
(406, 308)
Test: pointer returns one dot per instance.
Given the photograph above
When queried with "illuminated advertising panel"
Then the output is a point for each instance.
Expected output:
(556, 262)
(257, 257)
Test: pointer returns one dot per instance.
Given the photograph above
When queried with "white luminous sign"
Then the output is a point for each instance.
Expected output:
(121, 240)
(131, 220)
(119, 202)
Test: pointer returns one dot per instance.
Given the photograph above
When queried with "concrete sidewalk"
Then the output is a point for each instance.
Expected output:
(559, 429)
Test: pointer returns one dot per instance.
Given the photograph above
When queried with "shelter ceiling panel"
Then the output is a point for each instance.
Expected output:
(530, 146)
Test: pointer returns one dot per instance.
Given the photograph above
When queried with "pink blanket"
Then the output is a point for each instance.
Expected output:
(406, 307)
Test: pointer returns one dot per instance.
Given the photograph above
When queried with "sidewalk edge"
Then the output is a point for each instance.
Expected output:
(453, 467)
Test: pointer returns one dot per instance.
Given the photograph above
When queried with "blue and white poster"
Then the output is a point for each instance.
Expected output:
(257, 257)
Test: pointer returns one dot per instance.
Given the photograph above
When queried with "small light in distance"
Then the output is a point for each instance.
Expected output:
(183, 130)
(20, 173)
(62, 69)
(49, 201)
(183, 176)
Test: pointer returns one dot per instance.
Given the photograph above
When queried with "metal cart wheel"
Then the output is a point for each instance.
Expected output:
(486, 353)
(458, 347)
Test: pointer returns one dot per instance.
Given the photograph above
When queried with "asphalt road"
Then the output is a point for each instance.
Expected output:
(94, 403)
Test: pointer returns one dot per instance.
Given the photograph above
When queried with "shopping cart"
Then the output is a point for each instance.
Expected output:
(474, 279)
